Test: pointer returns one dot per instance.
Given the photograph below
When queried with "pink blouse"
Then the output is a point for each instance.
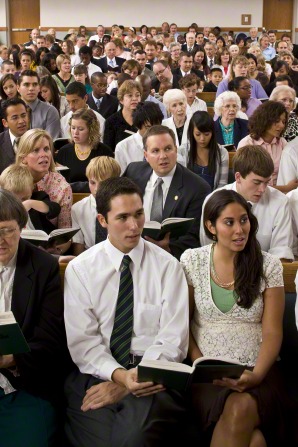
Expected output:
(55, 185)
(274, 149)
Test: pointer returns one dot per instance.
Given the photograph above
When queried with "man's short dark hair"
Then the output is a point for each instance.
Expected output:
(85, 50)
(140, 52)
(147, 112)
(158, 130)
(30, 73)
(113, 187)
(10, 103)
(184, 54)
(96, 75)
(76, 88)
(162, 62)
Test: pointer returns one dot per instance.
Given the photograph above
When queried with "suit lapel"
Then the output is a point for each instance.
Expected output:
(7, 147)
(144, 176)
(22, 285)
(174, 193)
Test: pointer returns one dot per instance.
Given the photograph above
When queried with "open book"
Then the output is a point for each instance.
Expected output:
(56, 237)
(180, 376)
(177, 226)
(12, 340)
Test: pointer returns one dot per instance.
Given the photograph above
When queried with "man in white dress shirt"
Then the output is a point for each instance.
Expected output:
(99, 36)
(107, 406)
(147, 114)
(253, 167)
(77, 97)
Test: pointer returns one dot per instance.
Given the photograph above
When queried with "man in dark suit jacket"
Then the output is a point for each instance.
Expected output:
(99, 100)
(110, 62)
(162, 71)
(186, 66)
(16, 121)
(37, 305)
(183, 191)
(190, 44)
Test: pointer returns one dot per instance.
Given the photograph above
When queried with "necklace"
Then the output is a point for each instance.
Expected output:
(82, 154)
(214, 275)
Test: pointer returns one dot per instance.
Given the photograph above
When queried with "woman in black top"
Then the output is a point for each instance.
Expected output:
(85, 145)
(120, 125)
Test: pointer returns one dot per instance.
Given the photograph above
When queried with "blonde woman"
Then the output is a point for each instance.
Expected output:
(84, 145)
(35, 151)
(64, 77)
(239, 67)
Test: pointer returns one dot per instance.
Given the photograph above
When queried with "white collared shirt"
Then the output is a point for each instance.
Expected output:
(128, 150)
(160, 327)
(83, 215)
(149, 191)
(275, 233)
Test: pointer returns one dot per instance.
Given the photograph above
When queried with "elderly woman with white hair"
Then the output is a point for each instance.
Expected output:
(287, 96)
(229, 129)
(175, 102)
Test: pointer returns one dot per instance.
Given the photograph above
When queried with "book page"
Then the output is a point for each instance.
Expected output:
(215, 360)
(34, 234)
(7, 318)
(169, 366)
(62, 231)
(175, 220)
(152, 224)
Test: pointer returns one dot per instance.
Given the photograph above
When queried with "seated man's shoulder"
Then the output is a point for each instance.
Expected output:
(163, 258)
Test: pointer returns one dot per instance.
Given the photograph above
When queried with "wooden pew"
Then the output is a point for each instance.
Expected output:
(77, 196)
(208, 97)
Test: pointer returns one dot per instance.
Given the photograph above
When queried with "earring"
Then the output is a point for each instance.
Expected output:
(214, 238)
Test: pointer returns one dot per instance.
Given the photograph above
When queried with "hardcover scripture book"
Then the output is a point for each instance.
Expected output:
(177, 226)
(180, 376)
(12, 340)
(56, 237)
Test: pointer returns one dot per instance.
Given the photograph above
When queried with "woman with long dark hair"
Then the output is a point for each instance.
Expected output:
(236, 311)
(205, 157)
(50, 93)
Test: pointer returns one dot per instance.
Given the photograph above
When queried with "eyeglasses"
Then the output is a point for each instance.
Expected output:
(100, 85)
(245, 88)
(160, 72)
(7, 233)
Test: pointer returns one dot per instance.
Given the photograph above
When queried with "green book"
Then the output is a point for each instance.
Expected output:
(180, 376)
(12, 340)
(56, 237)
(177, 226)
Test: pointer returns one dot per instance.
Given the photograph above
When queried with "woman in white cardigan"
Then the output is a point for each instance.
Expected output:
(176, 104)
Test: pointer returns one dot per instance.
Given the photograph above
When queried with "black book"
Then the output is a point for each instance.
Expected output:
(180, 376)
(56, 237)
(12, 340)
(177, 226)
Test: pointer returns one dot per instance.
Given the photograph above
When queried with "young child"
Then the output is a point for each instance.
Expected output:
(80, 73)
(215, 78)
(19, 181)
(163, 87)
(84, 213)
(189, 84)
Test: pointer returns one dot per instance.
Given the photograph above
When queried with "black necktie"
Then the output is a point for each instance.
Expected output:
(211, 63)
(123, 323)
(157, 202)
(100, 232)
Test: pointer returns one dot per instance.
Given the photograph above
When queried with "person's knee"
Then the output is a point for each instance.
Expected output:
(240, 410)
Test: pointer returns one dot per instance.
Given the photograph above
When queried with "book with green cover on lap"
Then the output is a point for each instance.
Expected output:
(180, 376)
(177, 226)
(56, 237)
(12, 340)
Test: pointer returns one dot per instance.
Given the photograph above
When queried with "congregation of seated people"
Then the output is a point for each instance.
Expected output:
(147, 124)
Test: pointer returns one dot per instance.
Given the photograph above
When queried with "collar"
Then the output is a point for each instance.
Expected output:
(166, 178)
(96, 99)
(33, 104)
(116, 256)
(12, 137)
(184, 73)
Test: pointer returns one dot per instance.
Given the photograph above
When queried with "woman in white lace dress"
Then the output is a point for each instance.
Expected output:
(237, 305)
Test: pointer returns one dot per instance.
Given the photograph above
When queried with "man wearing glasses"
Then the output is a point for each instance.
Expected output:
(99, 100)
(163, 73)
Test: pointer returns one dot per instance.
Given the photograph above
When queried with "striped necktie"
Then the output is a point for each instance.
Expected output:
(123, 324)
